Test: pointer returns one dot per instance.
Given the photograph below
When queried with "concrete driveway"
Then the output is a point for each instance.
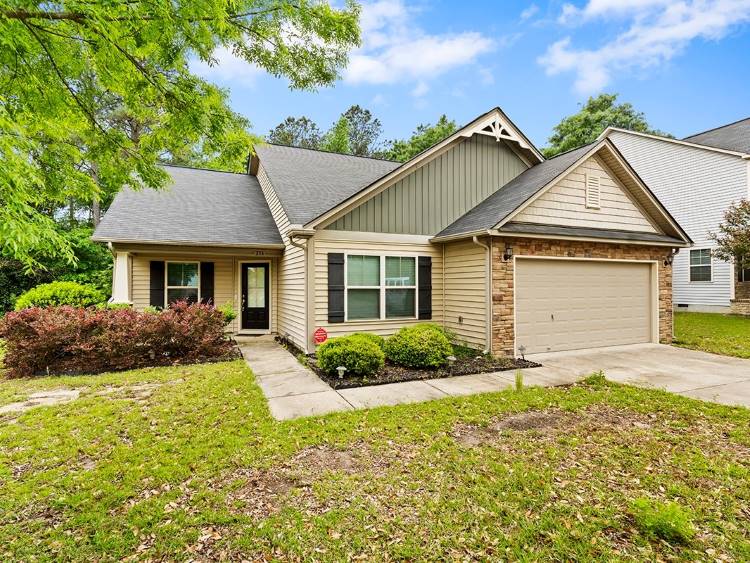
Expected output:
(710, 377)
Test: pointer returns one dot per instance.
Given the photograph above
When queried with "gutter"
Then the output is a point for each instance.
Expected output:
(488, 289)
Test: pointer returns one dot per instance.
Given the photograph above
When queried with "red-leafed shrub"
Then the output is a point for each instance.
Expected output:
(74, 340)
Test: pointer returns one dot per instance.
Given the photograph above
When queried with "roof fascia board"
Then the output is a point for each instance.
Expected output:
(420, 160)
(506, 234)
(189, 243)
(611, 129)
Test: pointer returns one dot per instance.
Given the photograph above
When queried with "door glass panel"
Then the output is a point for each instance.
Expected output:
(256, 286)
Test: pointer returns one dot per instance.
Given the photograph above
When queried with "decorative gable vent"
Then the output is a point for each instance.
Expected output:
(593, 191)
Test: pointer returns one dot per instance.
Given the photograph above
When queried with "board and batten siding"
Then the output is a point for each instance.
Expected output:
(565, 203)
(696, 186)
(436, 194)
(291, 280)
(465, 292)
(345, 242)
(226, 279)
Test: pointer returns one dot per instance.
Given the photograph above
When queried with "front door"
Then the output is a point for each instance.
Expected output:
(255, 296)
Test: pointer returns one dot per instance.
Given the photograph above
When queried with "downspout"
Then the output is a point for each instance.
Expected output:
(488, 282)
(303, 246)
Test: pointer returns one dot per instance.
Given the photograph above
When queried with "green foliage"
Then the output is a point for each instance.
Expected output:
(337, 139)
(593, 118)
(227, 309)
(596, 379)
(717, 333)
(519, 380)
(423, 138)
(96, 94)
(379, 341)
(423, 345)
(114, 306)
(359, 354)
(300, 132)
(664, 520)
(60, 293)
(733, 238)
(364, 131)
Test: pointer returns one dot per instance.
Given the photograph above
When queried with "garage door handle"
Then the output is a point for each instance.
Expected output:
(552, 316)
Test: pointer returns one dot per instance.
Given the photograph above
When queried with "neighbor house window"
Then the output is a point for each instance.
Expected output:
(381, 287)
(700, 265)
(183, 281)
(743, 273)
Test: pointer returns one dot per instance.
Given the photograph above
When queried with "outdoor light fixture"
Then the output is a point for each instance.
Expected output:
(451, 360)
(341, 370)
(670, 257)
(508, 254)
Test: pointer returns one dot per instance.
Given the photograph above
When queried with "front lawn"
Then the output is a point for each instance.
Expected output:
(186, 463)
(713, 332)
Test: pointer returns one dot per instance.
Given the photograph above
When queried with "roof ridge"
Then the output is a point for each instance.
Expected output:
(332, 152)
(715, 128)
(202, 168)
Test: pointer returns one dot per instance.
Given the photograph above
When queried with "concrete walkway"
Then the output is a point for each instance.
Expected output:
(710, 377)
(294, 391)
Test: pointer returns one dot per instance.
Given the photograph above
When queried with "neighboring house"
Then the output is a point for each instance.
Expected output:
(480, 234)
(697, 179)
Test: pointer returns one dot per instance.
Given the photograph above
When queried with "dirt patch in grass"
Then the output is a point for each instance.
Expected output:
(473, 435)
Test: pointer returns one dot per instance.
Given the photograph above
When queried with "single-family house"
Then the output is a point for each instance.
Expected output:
(697, 179)
(513, 253)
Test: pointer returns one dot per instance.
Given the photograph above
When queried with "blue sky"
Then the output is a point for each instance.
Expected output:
(684, 63)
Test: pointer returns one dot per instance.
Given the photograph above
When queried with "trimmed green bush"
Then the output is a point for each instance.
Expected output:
(60, 293)
(227, 309)
(358, 353)
(422, 345)
(379, 341)
(665, 520)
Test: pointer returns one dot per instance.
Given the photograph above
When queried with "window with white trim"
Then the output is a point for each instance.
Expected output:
(380, 287)
(700, 265)
(183, 281)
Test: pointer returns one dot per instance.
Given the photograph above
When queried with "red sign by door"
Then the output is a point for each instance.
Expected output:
(320, 336)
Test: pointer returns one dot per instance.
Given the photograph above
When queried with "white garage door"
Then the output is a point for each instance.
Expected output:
(573, 304)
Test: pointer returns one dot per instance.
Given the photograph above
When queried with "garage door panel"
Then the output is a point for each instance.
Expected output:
(572, 304)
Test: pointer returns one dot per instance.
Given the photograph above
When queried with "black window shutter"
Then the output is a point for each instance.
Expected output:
(425, 287)
(207, 283)
(336, 288)
(156, 284)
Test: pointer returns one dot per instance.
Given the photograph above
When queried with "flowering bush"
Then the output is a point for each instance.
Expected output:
(75, 340)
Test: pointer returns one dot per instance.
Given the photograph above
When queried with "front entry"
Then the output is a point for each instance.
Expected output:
(255, 296)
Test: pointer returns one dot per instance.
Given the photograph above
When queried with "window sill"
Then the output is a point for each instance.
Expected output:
(388, 320)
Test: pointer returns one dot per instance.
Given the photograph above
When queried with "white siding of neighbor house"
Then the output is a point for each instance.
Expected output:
(565, 203)
(290, 304)
(696, 186)
(353, 242)
(466, 301)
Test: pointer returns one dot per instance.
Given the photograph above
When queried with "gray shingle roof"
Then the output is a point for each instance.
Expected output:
(309, 182)
(561, 230)
(507, 199)
(199, 207)
(732, 137)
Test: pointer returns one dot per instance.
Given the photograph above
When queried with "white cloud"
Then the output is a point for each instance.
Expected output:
(658, 31)
(529, 12)
(227, 67)
(395, 49)
(420, 89)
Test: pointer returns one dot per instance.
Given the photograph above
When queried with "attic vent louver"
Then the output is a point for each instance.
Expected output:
(593, 199)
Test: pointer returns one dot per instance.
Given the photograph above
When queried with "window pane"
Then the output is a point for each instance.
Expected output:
(700, 273)
(700, 257)
(188, 294)
(184, 274)
(399, 302)
(400, 271)
(363, 270)
(363, 304)
(256, 287)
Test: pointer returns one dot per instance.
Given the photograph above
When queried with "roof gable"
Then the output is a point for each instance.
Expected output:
(732, 137)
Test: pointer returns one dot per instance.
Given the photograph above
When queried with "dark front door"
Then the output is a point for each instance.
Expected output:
(255, 301)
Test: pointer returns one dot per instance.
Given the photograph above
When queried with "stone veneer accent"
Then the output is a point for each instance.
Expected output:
(502, 279)
(742, 290)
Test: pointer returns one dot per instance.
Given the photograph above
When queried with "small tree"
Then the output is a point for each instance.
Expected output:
(733, 238)
(337, 138)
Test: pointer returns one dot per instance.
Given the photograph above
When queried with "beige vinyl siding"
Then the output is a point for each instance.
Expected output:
(290, 306)
(438, 193)
(226, 279)
(331, 241)
(465, 278)
(565, 203)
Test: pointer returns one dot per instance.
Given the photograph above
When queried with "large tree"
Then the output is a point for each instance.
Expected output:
(68, 67)
(300, 132)
(593, 118)
(364, 131)
(423, 137)
(733, 235)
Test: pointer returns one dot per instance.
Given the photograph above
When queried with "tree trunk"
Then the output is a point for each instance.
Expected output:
(96, 211)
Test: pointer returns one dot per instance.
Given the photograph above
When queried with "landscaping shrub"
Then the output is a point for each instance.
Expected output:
(664, 520)
(419, 346)
(60, 293)
(227, 309)
(76, 340)
(359, 353)
(379, 341)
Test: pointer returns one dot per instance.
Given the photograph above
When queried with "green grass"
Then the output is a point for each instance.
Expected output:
(200, 470)
(713, 332)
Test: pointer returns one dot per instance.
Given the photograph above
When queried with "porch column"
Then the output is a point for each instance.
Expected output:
(121, 279)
